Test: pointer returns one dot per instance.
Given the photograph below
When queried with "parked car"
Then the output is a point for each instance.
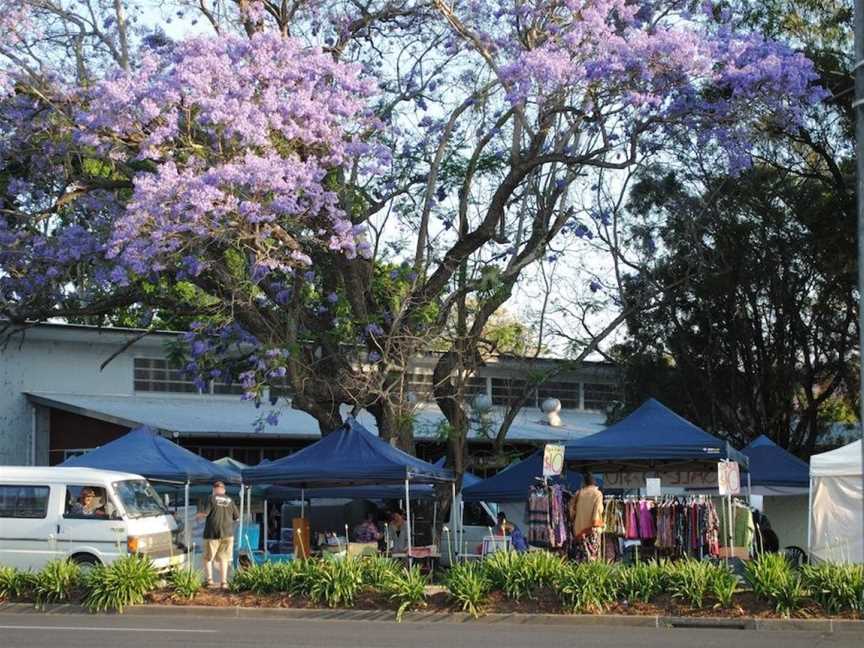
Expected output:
(89, 516)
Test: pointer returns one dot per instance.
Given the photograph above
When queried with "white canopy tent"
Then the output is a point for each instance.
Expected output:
(836, 531)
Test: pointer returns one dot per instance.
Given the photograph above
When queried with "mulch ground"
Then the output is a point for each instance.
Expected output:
(745, 605)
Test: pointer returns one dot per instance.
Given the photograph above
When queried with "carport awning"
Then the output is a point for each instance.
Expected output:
(229, 417)
(187, 416)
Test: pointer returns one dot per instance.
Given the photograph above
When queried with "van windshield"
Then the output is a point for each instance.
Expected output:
(139, 499)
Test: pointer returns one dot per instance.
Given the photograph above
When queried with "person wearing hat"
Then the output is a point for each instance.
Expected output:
(221, 514)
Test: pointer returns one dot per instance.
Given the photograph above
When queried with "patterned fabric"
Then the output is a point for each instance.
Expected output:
(557, 518)
(587, 548)
(537, 517)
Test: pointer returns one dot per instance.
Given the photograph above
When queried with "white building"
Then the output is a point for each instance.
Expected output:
(57, 400)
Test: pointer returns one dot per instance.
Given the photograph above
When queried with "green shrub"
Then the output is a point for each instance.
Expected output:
(835, 587)
(336, 582)
(722, 583)
(56, 581)
(16, 584)
(510, 573)
(407, 587)
(546, 568)
(588, 588)
(641, 582)
(186, 583)
(378, 571)
(689, 580)
(469, 586)
(125, 582)
(773, 579)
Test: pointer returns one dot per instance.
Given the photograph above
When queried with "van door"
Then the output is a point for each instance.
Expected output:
(27, 539)
(90, 527)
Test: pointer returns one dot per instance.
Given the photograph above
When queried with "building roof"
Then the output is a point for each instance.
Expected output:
(230, 417)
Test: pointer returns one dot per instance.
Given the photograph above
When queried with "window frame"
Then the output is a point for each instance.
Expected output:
(47, 502)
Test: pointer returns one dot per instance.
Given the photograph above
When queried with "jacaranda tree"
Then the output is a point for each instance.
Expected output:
(319, 186)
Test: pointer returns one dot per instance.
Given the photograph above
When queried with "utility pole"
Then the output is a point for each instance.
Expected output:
(859, 192)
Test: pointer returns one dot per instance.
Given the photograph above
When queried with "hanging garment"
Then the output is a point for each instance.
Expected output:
(587, 547)
(631, 521)
(537, 517)
(646, 520)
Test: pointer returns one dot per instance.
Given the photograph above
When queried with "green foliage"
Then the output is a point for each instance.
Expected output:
(56, 581)
(588, 587)
(520, 575)
(469, 586)
(16, 584)
(641, 582)
(378, 571)
(689, 580)
(835, 587)
(773, 579)
(336, 583)
(125, 582)
(406, 587)
(186, 582)
(723, 584)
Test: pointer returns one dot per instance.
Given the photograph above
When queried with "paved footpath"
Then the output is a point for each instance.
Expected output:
(156, 631)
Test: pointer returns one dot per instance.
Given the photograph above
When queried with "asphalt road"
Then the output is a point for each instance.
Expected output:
(83, 631)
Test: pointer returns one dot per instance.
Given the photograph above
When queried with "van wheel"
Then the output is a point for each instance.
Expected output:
(85, 561)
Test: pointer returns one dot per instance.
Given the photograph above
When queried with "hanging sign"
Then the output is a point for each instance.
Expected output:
(652, 487)
(671, 479)
(553, 459)
(728, 478)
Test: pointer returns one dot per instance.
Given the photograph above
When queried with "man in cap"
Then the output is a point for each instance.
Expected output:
(221, 514)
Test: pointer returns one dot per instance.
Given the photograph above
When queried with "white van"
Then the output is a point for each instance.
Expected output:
(89, 516)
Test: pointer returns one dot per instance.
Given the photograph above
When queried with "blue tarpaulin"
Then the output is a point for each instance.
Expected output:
(468, 479)
(771, 465)
(144, 452)
(652, 434)
(512, 483)
(347, 456)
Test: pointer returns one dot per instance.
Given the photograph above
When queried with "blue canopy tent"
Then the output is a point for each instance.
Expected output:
(774, 471)
(145, 452)
(652, 435)
(512, 483)
(349, 456)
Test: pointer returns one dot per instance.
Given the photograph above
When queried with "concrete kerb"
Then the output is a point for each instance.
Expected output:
(823, 626)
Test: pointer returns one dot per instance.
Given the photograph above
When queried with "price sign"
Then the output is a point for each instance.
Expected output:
(553, 460)
(652, 487)
(728, 478)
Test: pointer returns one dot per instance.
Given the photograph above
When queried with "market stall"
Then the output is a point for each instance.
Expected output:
(654, 450)
(143, 451)
(350, 457)
(836, 528)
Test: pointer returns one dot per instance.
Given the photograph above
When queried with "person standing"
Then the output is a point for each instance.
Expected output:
(399, 532)
(221, 514)
(586, 520)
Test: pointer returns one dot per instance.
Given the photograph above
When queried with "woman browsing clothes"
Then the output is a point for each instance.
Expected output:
(586, 520)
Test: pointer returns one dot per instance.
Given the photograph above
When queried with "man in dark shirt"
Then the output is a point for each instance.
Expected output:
(221, 514)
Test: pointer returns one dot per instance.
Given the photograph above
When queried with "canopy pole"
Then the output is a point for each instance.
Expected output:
(434, 518)
(454, 518)
(810, 522)
(408, 518)
(302, 502)
(187, 532)
(266, 529)
(240, 528)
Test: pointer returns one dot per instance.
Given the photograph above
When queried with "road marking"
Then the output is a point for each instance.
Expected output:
(98, 629)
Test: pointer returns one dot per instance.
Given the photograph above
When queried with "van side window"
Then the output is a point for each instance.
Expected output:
(476, 515)
(24, 501)
(86, 503)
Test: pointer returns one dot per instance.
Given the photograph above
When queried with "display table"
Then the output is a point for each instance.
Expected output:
(426, 557)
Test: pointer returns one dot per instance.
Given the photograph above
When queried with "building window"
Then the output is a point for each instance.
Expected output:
(475, 386)
(157, 375)
(598, 397)
(421, 384)
(507, 390)
(24, 501)
(566, 392)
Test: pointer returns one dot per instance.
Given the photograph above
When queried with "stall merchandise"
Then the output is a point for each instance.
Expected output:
(546, 516)
(513, 482)
(675, 527)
